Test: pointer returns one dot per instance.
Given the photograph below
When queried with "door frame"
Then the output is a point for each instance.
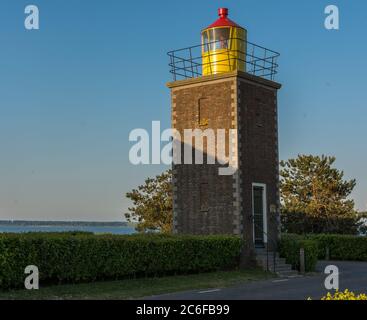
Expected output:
(265, 212)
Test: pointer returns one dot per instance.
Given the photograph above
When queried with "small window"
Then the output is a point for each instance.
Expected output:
(216, 39)
(259, 115)
(204, 197)
(208, 40)
(205, 41)
(203, 112)
(221, 37)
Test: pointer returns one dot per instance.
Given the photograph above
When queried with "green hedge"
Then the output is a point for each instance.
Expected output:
(68, 258)
(341, 247)
(290, 246)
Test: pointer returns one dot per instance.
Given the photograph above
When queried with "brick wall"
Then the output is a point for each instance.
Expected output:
(205, 202)
(258, 152)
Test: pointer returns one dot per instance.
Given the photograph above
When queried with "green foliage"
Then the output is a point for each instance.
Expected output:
(315, 197)
(341, 247)
(303, 223)
(290, 246)
(152, 204)
(67, 258)
(362, 230)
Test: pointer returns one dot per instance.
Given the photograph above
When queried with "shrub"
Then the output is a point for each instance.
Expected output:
(68, 258)
(290, 245)
(341, 247)
(302, 223)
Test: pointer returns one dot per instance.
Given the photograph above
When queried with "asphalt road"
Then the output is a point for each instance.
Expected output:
(352, 276)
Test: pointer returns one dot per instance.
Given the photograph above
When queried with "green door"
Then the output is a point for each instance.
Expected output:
(258, 216)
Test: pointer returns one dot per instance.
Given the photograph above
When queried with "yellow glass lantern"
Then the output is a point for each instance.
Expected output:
(223, 46)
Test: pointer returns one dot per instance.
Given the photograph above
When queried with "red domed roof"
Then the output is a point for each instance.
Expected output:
(223, 20)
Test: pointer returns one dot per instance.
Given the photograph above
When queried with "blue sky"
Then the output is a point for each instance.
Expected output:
(71, 92)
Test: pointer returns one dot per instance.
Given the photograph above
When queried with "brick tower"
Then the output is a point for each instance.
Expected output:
(234, 90)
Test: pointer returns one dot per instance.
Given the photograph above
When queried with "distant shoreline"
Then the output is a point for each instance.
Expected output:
(64, 223)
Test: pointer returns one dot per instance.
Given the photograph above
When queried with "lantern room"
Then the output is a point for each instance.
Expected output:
(223, 46)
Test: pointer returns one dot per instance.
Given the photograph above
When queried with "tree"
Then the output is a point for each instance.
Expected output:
(152, 204)
(314, 197)
(362, 223)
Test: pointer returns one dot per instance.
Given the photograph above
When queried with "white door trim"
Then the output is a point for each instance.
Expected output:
(265, 211)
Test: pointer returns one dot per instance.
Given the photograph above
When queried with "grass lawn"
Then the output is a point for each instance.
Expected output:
(135, 288)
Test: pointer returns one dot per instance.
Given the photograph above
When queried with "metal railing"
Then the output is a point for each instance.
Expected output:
(274, 246)
(188, 62)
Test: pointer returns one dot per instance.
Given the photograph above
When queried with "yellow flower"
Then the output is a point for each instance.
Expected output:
(345, 295)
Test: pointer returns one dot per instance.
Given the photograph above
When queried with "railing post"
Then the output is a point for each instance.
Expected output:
(254, 73)
(302, 266)
(192, 68)
(174, 66)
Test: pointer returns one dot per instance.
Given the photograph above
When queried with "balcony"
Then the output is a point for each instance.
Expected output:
(188, 63)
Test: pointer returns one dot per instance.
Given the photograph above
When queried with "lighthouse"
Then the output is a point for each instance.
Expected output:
(228, 83)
